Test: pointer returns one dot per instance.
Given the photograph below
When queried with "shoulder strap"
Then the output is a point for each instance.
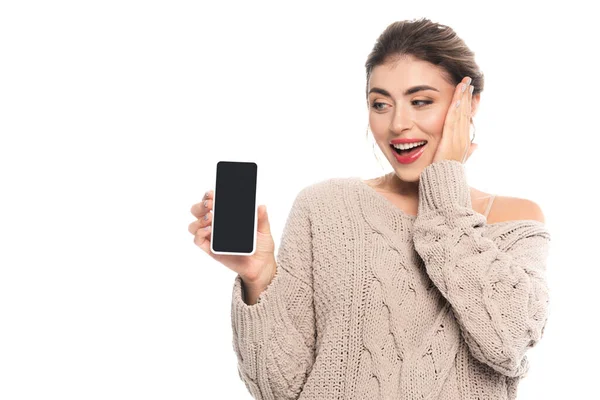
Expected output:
(489, 206)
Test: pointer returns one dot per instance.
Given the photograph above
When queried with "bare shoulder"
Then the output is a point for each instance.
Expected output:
(506, 208)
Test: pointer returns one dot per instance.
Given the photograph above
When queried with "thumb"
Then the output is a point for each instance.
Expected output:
(263, 220)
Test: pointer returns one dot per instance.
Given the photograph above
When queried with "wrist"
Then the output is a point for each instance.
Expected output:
(263, 278)
(252, 289)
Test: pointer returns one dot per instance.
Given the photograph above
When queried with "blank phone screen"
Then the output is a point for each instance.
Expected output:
(234, 207)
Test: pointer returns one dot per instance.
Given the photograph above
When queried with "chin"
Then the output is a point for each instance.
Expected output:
(409, 176)
(409, 172)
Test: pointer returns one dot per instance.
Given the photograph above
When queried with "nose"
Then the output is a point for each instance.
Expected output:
(401, 120)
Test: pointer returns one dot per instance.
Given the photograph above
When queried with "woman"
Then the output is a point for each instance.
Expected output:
(413, 285)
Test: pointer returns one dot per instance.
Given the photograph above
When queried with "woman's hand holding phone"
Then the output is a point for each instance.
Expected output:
(256, 270)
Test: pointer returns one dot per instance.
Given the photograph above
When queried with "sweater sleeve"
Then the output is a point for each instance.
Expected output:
(274, 339)
(494, 279)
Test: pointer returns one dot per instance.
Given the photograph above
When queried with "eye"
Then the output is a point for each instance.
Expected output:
(375, 104)
(422, 101)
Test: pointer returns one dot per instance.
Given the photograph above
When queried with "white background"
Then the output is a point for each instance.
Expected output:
(113, 115)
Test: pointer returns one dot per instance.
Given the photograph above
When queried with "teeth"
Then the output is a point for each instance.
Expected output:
(408, 145)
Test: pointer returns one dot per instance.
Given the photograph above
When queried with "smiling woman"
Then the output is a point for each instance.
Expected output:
(409, 87)
(405, 291)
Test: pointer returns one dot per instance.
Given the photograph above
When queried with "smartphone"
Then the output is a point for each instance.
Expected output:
(234, 208)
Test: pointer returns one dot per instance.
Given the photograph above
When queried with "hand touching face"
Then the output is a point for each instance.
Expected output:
(456, 143)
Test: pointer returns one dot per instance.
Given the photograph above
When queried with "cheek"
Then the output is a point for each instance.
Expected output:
(433, 121)
(378, 125)
(375, 119)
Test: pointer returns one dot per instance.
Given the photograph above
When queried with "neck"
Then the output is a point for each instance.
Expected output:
(395, 185)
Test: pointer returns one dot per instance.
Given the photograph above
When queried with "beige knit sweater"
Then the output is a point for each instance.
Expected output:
(369, 302)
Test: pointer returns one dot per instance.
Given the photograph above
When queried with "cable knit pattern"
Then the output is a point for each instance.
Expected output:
(369, 302)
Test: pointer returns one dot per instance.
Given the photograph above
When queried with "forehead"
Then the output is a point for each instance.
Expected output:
(400, 74)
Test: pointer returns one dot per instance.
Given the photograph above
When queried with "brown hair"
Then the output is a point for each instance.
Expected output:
(427, 41)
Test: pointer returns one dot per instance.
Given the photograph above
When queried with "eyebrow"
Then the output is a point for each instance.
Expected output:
(408, 91)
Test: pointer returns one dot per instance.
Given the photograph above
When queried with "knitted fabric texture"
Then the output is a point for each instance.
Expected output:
(369, 302)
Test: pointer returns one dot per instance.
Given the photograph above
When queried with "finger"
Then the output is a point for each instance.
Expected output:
(202, 240)
(465, 101)
(456, 140)
(462, 91)
(200, 209)
(470, 100)
(208, 195)
(467, 117)
(462, 138)
(193, 227)
(200, 223)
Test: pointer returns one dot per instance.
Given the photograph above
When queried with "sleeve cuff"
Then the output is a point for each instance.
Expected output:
(443, 187)
(238, 296)
(252, 325)
(255, 319)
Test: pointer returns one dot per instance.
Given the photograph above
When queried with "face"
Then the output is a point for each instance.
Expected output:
(395, 114)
